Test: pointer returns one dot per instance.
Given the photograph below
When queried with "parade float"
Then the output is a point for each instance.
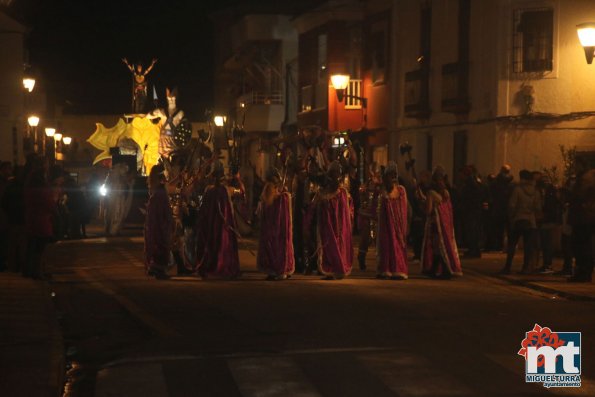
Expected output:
(138, 142)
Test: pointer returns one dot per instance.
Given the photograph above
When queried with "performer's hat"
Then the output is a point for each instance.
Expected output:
(392, 169)
(335, 170)
(273, 175)
(218, 170)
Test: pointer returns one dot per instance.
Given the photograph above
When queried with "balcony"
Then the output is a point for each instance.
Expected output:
(354, 89)
(417, 104)
(455, 88)
(261, 111)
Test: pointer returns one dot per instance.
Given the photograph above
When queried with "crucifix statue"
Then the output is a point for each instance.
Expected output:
(139, 84)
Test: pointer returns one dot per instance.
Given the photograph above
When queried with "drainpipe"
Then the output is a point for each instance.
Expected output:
(286, 119)
(393, 134)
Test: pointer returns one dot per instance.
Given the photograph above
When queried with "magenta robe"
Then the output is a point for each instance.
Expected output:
(334, 220)
(392, 235)
(275, 247)
(217, 243)
(158, 231)
(439, 239)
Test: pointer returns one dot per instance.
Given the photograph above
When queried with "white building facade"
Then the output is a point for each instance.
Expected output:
(494, 82)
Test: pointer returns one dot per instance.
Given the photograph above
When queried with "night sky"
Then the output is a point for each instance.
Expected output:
(76, 48)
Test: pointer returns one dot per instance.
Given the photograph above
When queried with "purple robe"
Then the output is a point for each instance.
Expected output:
(439, 239)
(392, 235)
(275, 247)
(334, 220)
(158, 231)
(217, 243)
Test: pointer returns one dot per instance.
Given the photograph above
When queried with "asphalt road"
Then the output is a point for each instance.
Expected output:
(130, 335)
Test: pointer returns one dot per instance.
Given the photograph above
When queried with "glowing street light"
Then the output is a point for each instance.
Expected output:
(340, 82)
(67, 140)
(219, 120)
(586, 35)
(57, 137)
(33, 121)
(49, 132)
(29, 83)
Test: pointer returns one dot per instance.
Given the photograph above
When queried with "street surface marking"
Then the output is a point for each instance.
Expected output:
(409, 375)
(163, 358)
(515, 364)
(143, 380)
(134, 309)
(271, 377)
(130, 258)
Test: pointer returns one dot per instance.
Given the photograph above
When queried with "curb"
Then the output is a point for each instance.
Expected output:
(57, 359)
(541, 288)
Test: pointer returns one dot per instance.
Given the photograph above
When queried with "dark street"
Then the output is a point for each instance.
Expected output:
(130, 335)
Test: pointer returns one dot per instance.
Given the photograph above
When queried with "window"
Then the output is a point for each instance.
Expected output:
(377, 52)
(307, 98)
(322, 57)
(533, 46)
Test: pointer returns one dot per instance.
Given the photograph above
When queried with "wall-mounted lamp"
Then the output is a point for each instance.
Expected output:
(586, 35)
(340, 82)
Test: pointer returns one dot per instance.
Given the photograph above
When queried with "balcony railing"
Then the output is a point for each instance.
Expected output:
(417, 101)
(455, 87)
(261, 98)
(355, 90)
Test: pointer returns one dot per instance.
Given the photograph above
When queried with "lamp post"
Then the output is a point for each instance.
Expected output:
(33, 122)
(219, 120)
(66, 149)
(28, 83)
(586, 35)
(58, 153)
(340, 82)
(49, 133)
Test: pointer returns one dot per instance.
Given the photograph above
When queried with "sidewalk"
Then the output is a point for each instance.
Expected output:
(491, 263)
(31, 350)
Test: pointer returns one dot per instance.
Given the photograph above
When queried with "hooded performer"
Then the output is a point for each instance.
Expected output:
(392, 227)
(275, 248)
(158, 226)
(440, 256)
(217, 243)
(334, 220)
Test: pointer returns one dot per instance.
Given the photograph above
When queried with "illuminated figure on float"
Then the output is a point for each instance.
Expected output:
(139, 84)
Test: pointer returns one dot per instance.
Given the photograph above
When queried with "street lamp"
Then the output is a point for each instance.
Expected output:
(33, 122)
(586, 35)
(67, 140)
(49, 132)
(219, 120)
(29, 83)
(340, 82)
(57, 139)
